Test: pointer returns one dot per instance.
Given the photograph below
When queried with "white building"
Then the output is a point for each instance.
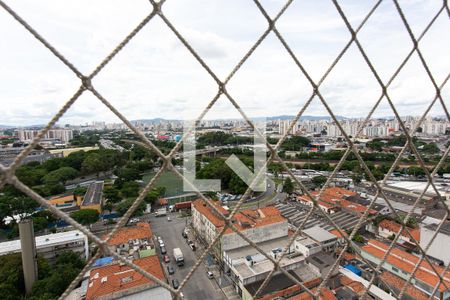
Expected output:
(27, 135)
(50, 245)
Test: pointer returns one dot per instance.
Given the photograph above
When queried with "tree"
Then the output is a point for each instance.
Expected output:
(108, 206)
(12, 284)
(129, 174)
(112, 194)
(288, 186)
(130, 189)
(67, 267)
(75, 159)
(11, 206)
(123, 207)
(85, 216)
(60, 175)
(92, 164)
(80, 191)
(319, 180)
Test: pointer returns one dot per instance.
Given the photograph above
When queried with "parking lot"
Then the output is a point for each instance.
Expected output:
(198, 286)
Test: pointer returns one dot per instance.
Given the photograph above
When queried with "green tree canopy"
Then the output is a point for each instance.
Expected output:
(85, 216)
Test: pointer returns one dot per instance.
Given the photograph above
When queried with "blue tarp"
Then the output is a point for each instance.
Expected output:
(102, 261)
(353, 269)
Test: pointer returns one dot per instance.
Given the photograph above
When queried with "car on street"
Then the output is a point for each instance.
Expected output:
(184, 234)
(210, 274)
(133, 221)
(169, 219)
(161, 243)
(163, 250)
(175, 284)
(170, 270)
(166, 258)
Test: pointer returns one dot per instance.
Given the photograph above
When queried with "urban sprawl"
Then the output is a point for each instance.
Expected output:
(94, 172)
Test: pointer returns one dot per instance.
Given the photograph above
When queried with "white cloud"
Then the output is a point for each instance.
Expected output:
(156, 76)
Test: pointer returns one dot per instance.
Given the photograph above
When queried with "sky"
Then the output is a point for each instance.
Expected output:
(156, 76)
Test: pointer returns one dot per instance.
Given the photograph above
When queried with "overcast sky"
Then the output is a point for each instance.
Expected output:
(155, 75)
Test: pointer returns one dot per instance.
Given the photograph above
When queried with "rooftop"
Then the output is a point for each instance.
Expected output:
(397, 283)
(93, 194)
(126, 234)
(406, 262)
(325, 294)
(445, 229)
(116, 278)
(319, 234)
(337, 197)
(242, 220)
(44, 241)
(395, 227)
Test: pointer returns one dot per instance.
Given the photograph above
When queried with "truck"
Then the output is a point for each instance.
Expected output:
(178, 255)
(161, 212)
(183, 205)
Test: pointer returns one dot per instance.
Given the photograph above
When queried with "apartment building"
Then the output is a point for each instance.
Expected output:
(51, 245)
(27, 135)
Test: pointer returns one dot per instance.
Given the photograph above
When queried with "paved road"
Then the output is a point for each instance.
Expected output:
(198, 286)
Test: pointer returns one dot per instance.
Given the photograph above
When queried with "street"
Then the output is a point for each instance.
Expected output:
(198, 286)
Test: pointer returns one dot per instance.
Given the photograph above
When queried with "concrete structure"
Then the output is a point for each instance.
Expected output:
(29, 262)
(93, 199)
(118, 281)
(27, 135)
(401, 264)
(50, 245)
(66, 151)
(315, 240)
(259, 225)
(7, 155)
(439, 249)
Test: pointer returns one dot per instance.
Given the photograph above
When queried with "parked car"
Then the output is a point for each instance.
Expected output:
(161, 243)
(184, 234)
(175, 284)
(169, 219)
(170, 270)
(133, 221)
(210, 275)
(166, 258)
(163, 250)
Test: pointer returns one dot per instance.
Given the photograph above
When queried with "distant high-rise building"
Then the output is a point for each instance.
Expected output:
(26, 135)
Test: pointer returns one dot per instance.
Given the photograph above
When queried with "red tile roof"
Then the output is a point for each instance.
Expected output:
(406, 262)
(398, 283)
(243, 220)
(123, 235)
(337, 197)
(395, 227)
(111, 279)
